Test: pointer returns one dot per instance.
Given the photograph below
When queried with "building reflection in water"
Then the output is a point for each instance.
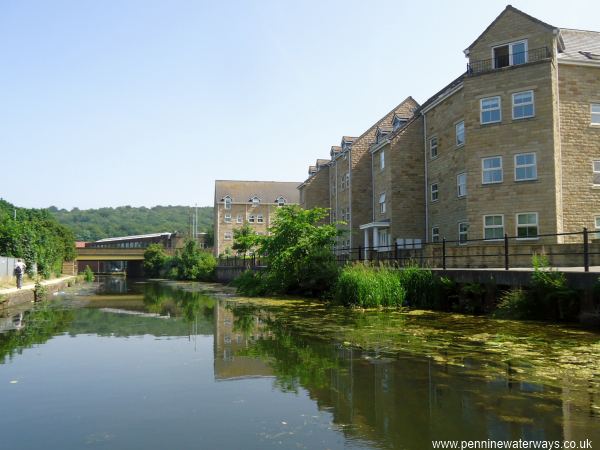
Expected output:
(403, 400)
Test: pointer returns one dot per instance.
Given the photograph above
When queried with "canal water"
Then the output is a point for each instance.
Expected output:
(122, 364)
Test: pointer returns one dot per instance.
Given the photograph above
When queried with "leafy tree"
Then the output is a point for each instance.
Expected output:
(298, 248)
(155, 259)
(244, 239)
(195, 264)
(35, 236)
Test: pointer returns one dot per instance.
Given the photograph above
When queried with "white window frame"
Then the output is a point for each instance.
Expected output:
(227, 218)
(484, 170)
(260, 218)
(435, 191)
(595, 115)
(461, 193)
(382, 207)
(511, 52)
(281, 201)
(382, 160)
(228, 236)
(457, 134)
(537, 226)
(499, 109)
(493, 227)
(597, 226)
(596, 172)
(435, 234)
(532, 103)
(251, 218)
(432, 147)
(227, 202)
(255, 201)
(525, 166)
(464, 233)
(240, 218)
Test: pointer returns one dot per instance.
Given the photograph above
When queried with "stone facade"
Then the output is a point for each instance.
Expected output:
(254, 203)
(508, 147)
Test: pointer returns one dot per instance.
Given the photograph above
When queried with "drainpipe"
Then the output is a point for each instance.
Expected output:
(562, 225)
(372, 192)
(350, 193)
(426, 180)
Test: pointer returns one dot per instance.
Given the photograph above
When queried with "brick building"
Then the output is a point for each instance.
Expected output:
(248, 202)
(510, 146)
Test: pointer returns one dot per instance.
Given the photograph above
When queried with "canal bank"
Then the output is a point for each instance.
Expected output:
(13, 296)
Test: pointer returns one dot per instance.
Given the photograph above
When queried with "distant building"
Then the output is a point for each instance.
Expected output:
(248, 202)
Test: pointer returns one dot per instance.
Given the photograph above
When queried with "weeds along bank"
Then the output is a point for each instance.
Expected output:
(547, 298)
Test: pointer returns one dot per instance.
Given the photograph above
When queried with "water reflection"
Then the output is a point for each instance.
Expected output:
(400, 400)
(387, 380)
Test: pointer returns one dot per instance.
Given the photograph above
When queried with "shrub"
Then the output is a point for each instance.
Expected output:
(155, 259)
(421, 287)
(251, 283)
(88, 275)
(369, 287)
(514, 304)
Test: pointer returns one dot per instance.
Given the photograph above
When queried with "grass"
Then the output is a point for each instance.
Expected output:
(367, 287)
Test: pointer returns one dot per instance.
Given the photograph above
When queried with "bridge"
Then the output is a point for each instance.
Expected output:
(123, 254)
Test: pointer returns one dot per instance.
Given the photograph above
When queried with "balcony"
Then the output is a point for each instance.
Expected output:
(508, 60)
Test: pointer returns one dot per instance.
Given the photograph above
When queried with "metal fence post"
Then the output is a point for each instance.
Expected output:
(396, 251)
(505, 251)
(586, 250)
(444, 253)
(359, 253)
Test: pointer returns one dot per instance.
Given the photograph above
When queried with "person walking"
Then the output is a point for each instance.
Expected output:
(19, 272)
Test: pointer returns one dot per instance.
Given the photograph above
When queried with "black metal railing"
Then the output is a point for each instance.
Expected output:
(504, 253)
(516, 59)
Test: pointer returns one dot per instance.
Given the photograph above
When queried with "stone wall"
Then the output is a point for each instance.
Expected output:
(580, 145)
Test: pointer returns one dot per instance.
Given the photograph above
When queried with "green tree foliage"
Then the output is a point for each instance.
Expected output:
(191, 263)
(245, 239)
(155, 259)
(195, 264)
(88, 275)
(94, 224)
(35, 236)
(298, 249)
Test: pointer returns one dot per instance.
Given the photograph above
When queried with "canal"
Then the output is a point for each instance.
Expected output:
(125, 364)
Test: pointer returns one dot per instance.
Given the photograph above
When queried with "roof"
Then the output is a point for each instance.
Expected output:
(515, 10)
(441, 93)
(266, 191)
(385, 128)
(580, 45)
(348, 138)
(322, 162)
(131, 238)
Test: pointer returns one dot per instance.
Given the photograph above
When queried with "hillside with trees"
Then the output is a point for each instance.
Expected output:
(36, 236)
(94, 224)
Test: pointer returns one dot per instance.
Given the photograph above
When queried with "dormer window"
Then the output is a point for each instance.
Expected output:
(227, 202)
(255, 201)
(381, 136)
(511, 54)
(398, 122)
(280, 201)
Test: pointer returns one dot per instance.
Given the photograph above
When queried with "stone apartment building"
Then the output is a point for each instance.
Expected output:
(248, 202)
(348, 170)
(510, 146)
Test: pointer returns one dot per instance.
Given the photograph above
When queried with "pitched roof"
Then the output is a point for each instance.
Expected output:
(515, 10)
(266, 191)
(580, 45)
(322, 162)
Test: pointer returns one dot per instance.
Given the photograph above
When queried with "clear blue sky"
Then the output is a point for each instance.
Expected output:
(107, 103)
